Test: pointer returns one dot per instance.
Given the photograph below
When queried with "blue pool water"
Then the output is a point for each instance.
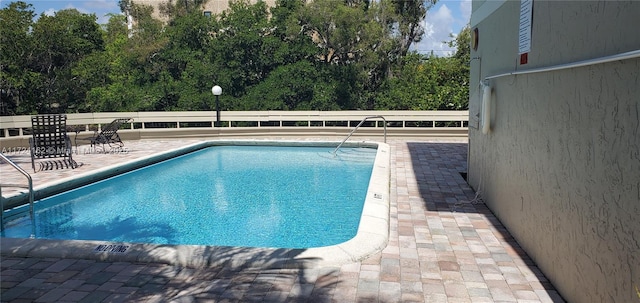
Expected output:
(255, 196)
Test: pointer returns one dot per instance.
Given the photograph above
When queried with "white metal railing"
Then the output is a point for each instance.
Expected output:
(15, 125)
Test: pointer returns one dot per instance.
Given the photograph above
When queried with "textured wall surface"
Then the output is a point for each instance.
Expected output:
(561, 164)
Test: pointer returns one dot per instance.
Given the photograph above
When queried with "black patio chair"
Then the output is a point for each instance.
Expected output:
(109, 134)
(49, 140)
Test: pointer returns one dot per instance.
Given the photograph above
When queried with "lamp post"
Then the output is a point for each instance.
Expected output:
(217, 91)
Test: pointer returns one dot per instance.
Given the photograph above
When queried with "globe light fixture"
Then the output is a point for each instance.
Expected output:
(217, 91)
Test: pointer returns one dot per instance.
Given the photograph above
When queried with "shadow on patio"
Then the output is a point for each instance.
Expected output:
(465, 231)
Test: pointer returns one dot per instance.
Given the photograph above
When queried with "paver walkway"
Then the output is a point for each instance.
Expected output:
(444, 246)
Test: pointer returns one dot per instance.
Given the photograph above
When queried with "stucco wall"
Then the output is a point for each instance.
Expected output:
(560, 166)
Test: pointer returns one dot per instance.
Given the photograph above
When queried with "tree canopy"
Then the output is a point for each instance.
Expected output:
(297, 55)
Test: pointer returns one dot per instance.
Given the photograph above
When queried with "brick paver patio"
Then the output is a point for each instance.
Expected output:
(445, 246)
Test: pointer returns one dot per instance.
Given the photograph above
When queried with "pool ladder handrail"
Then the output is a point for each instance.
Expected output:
(358, 126)
(30, 187)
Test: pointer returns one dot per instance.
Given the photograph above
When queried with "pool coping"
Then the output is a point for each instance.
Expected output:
(372, 235)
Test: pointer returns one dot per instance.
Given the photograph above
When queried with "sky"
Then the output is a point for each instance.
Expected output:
(446, 17)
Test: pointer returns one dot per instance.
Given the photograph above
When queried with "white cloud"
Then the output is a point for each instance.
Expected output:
(50, 12)
(465, 10)
(53, 11)
(447, 17)
(437, 27)
(98, 7)
(101, 8)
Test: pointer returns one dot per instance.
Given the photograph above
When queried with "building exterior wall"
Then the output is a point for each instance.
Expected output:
(560, 166)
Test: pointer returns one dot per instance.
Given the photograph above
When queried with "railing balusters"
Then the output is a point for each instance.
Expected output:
(9, 124)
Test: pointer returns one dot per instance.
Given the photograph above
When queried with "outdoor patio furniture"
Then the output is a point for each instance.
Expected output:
(49, 140)
(109, 134)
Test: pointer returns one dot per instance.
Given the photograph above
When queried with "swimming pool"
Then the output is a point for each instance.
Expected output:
(372, 224)
(259, 196)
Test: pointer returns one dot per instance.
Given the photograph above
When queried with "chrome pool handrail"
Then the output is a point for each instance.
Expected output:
(356, 128)
(30, 187)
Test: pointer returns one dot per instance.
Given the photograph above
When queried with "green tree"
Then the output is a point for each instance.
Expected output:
(59, 42)
(133, 64)
(340, 29)
(407, 19)
(185, 59)
(459, 77)
(107, 74)
(452, 78)
(310, 89)
(287, 41)
(412, 86)
(322, 54)
(181, 8)
(16, 48)
(462, 43)
(429, 82)
(240, 52)
(350, 39)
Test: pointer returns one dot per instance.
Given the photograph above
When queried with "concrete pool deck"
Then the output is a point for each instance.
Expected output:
(444, 246)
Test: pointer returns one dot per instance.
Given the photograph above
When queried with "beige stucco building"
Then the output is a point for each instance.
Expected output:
(559, 160)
